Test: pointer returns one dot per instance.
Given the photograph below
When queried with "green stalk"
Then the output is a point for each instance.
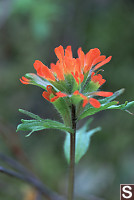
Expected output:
(72, 156)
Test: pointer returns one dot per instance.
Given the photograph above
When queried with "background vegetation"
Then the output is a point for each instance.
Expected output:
(30, 30)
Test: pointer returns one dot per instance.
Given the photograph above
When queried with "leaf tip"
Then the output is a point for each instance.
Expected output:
(129, 112)
(122, 90)
(29, 134)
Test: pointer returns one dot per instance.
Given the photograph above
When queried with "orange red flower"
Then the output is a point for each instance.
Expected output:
(68, 65)
(70, 75)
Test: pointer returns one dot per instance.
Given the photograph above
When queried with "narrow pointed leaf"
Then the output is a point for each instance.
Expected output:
(37, 125)
(36, 80)
(115, 95)
(30, 114)
(124, 106)
(93, 110)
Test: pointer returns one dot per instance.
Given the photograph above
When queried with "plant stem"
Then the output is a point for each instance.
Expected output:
(72, 156)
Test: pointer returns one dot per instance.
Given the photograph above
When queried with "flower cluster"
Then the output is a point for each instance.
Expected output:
(72, 77)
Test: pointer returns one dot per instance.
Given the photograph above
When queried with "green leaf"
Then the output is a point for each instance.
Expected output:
(62, 106)
(83, 136)
(76, 99)
(38, 124)
(128, 105)
(124, 106)
(91, 87)
(30, 114)
(91, 110)
(36, 80)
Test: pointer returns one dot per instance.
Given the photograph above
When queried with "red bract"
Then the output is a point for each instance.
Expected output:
(24, 80)
(97, 79)
(73, 76)
(51, 95)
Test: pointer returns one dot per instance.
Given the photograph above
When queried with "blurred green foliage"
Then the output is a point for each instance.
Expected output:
(41, 15)
(30, 30)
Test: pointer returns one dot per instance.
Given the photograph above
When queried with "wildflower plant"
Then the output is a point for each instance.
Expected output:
(72, 85)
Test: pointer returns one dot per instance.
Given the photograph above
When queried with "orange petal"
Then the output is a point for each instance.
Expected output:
(90, 56)
(49, 89)
(81, 77)
(60, 94)
(85, 101)
(103, 62)
(97, 78)
(46, 95)
(81, 56)
(43, 70)
(38, 66)
(24, 80)
(102, 81)
(94, 102)
(78, 66)
(59, 51)
(69, 65)
(103, 94)
(58, 70)
(75, 77)
(83, 96)
(92, 75)
(98, 59)
(93, 54)
(68, 52)
(39, 72)
(77, 80)
(76, 92)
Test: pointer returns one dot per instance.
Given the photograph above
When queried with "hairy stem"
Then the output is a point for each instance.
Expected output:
(72, 156)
